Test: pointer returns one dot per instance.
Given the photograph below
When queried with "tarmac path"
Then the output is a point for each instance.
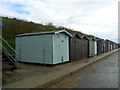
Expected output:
(102, 74)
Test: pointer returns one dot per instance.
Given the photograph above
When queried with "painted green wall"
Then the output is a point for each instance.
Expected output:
(44, 49)
(36, 48)
(60, 48)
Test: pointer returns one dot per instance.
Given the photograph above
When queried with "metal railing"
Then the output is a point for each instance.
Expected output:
(8, 54)
(8, 45)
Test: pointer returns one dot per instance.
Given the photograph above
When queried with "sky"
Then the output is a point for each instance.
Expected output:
(94, 17)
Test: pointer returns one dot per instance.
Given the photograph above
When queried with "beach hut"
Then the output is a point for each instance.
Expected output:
(92, 46)
(95, 47)
(99, 46)
(78, 46)
(84, 46)
(50, 47)
(107, 45)
(75, 47)
(110, 46)
(103, 45)
(113, 46)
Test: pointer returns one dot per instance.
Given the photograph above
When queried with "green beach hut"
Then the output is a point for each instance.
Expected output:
(50, 47)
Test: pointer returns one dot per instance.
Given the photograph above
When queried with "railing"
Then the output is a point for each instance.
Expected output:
(8, 45)
(7, 53)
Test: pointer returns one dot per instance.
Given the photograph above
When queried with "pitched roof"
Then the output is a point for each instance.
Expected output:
(99, 39)
(92, 38)
(41, 33)
(74, 34)
(83, 36)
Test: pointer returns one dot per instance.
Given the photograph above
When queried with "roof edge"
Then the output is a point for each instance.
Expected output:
(85, 36)
(41, 33)
(63, 31)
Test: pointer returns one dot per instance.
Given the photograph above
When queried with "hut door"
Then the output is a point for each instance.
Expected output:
(63, 48)
(102, 48)
(91, 48)
(62, 45)
(95, 47)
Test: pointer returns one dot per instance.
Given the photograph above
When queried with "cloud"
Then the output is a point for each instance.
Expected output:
(97, 17)
(18, 8)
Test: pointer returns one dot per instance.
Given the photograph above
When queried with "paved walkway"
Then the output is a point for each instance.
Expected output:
(102, 74)
(34, 76)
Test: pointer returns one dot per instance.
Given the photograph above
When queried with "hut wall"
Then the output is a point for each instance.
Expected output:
(72, 45)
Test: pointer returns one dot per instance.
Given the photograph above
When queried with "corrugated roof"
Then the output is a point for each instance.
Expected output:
(48, 32)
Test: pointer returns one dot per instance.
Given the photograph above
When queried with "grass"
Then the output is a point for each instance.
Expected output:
(11, 42)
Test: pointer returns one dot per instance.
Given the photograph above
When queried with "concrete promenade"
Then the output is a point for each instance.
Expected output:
(38, 76)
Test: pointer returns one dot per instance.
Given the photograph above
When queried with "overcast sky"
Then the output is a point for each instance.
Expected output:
(95, 17)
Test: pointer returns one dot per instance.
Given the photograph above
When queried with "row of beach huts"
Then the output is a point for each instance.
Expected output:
(54, 47)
